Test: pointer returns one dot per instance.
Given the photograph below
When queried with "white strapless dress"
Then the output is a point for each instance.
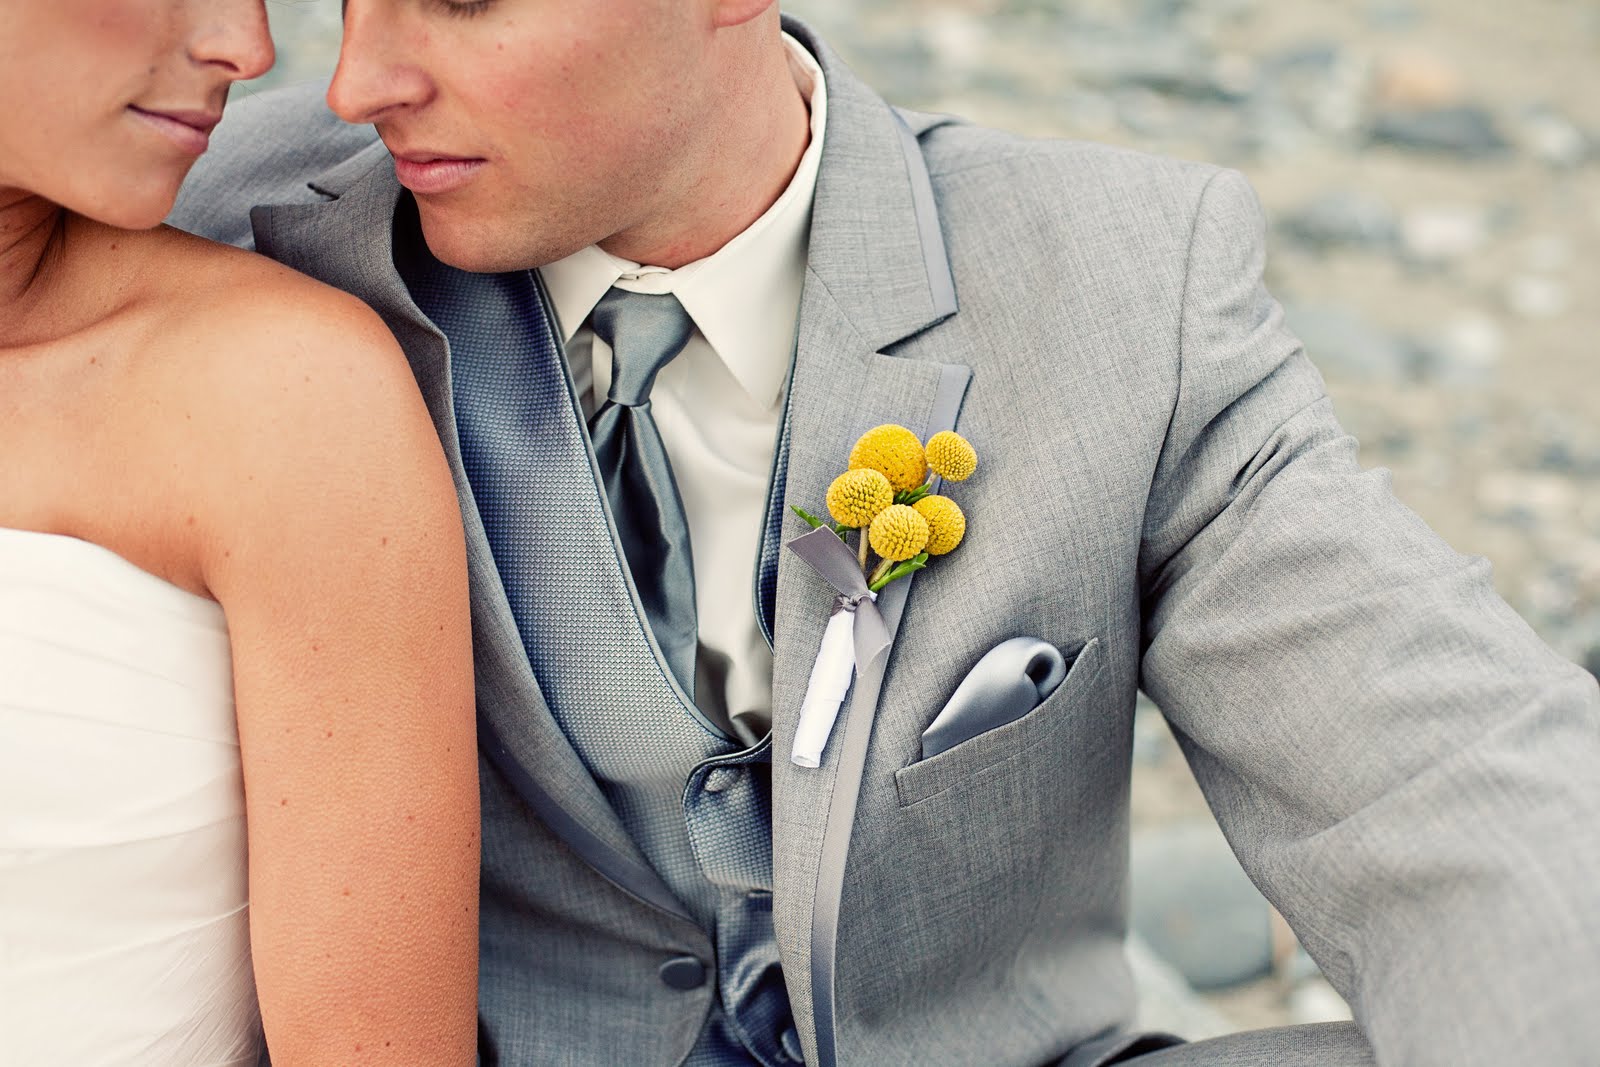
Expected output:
(124, 932)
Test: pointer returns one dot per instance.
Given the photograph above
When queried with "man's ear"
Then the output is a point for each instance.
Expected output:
(737, 12)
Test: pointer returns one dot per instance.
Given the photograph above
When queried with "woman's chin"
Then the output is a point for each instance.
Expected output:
(140, 206)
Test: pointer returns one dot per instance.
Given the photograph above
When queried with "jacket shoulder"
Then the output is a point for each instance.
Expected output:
(1063, 182)
(269, 149)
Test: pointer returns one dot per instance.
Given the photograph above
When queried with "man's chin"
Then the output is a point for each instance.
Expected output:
(480, 246)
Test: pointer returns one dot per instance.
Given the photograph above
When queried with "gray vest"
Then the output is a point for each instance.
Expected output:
(698, 808)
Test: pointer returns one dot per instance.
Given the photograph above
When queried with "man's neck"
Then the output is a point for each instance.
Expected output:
(739, 174)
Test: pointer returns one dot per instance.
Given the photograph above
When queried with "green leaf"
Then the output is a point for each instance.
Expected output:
(900, 570)
(817, 524)
(811, 519)
(911, 496)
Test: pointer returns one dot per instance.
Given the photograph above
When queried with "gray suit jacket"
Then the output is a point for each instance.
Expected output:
(1406, 771)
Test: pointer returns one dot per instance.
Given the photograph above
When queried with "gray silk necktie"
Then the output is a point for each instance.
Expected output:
(645, 332)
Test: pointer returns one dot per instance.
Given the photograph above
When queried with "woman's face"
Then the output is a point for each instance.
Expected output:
(106, 104)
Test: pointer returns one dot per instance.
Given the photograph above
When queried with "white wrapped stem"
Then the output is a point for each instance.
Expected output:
(830, 680)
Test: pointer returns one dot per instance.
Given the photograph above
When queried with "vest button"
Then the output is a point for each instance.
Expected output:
(791, 1045)
(683, 973)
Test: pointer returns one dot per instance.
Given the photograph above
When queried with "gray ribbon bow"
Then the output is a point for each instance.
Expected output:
(824, 552)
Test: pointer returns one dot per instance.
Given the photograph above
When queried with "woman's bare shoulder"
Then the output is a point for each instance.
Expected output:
(267, 348)
(288, 392)
(242, 301)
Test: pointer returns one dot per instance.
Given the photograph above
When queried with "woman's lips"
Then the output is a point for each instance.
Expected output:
(189, 130)
(428, 174)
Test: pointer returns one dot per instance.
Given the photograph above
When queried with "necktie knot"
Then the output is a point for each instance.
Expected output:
(645, 331)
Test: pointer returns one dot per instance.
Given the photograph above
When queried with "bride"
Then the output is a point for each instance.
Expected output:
(232, 602)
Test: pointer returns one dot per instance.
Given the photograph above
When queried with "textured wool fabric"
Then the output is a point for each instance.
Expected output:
(1403, 768)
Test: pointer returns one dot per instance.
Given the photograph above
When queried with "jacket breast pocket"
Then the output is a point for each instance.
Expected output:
(977, 755)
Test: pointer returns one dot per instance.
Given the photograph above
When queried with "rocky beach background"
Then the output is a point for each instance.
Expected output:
(1431, 172)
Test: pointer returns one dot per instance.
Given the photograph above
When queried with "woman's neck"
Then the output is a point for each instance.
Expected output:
(31, 231)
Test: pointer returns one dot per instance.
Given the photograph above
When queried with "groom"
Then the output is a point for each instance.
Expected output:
(741, 258)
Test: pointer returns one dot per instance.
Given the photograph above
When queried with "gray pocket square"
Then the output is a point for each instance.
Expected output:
(1011, 679)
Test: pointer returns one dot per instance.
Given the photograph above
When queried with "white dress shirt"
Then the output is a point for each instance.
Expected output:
(717, 406)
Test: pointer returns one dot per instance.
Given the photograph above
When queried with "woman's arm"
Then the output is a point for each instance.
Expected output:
(331, 536)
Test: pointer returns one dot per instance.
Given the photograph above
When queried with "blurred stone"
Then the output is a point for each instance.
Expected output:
(1152, 741)
(1586, 555)
(1466, 351)
(1557, 457)
(1574, 459)
(1146, 113)
(1553, 139)
(1548, 253)
(955, 38)
(1090, 113)
(1440, 234)
(1343, 217)
(1591, 661)
(307, 41)
(1315, 1001)
(1533, 297)
(1465, 132)
(1163, 63)
(1271, 127)
(1468, 427)
(1319, 57)
(1166, 1001)
(1297, 966)
(904, 63)
(1342, 342)
(1394, 442)
(1416, 81)
(1393, 14)
(1552, 597)
(1194, 906)
(1324, 83)
(1516, 495)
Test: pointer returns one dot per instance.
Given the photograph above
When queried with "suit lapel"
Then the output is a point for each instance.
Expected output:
(349, 241)
(877, 275)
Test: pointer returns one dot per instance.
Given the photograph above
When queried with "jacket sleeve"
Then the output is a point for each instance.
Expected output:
(1402, 766)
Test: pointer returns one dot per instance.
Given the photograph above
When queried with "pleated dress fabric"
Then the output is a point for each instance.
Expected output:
(124, 935)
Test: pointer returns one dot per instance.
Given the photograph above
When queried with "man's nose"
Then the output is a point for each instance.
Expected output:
(374, 77)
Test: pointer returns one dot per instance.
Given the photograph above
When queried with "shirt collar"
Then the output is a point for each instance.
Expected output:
(744, 297)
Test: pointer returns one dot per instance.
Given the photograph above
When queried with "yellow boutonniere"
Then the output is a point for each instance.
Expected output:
(886, 499)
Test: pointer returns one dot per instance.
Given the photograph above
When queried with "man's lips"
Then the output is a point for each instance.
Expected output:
(432, 173)
(189, 130)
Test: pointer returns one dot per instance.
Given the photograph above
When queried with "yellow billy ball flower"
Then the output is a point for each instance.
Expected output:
(895, 452)
(951, 457)
(856, 497)
(898, 532)
(947, 525)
